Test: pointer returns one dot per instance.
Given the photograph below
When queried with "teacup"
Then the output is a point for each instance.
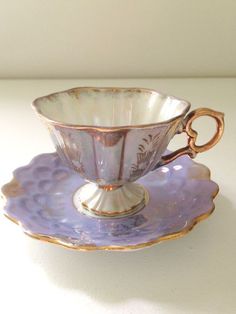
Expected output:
(114, 136)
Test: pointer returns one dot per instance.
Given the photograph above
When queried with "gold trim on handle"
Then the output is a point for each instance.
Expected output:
(192, 149)
(218, 116)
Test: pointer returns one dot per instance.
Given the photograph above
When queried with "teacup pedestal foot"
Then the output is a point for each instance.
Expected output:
(110, 202)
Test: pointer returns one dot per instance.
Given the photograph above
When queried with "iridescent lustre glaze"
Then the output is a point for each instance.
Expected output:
(39, 198)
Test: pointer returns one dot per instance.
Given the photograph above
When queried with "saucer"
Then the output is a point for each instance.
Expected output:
(39, 199)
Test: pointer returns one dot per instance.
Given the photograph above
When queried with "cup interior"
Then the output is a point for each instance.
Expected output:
(110, 107)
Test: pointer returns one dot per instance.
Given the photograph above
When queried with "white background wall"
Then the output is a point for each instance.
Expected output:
(117, 38)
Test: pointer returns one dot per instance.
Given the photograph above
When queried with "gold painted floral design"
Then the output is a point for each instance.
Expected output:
(146, 150)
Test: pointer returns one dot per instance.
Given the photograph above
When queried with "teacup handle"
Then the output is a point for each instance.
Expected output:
(192, 148)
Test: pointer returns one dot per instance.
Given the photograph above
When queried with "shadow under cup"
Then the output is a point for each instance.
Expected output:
(113, 136)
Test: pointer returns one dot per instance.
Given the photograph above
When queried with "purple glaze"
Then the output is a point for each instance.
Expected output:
(113, 158)
(179, 193)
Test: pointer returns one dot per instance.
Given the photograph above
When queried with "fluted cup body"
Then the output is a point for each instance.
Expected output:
(111, 153)
(111, 137)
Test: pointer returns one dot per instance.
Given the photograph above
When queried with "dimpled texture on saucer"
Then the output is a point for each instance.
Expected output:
(40, 200)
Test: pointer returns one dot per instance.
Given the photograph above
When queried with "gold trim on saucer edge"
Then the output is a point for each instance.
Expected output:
(13, 185)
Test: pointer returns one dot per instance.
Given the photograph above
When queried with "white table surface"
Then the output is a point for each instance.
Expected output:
(194, 274)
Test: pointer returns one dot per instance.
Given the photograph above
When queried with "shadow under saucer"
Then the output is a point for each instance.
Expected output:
(190, 273)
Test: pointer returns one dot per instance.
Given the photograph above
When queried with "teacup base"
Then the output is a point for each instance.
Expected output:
(119, 202)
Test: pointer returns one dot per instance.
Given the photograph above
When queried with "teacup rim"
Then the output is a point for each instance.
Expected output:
(35, 106)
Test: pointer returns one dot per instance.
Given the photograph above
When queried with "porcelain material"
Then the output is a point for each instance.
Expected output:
(114, 136)
(39, 199)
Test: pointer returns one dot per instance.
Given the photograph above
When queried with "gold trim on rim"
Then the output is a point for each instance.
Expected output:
(7, 189)
(107, 128)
